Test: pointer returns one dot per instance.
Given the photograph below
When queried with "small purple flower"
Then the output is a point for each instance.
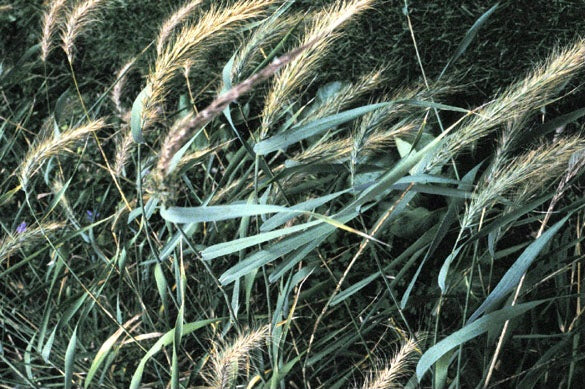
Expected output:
(91, 216)
(21, 228)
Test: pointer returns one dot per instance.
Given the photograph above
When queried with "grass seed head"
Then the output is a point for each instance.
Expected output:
(51, 21)
(50, 146)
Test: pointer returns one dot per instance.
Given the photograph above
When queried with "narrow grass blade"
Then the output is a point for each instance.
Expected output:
(470, 331)
(514, 274)
(281, 218)
(468, 38)
(298, 133)
(165, 340)
(46, 351)
(277, 250)
(445, 269)
(104, 350)
(233, 246)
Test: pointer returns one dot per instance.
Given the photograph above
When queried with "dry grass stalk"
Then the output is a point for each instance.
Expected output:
(189, 46)
(178, 17)
(26, 237)
(293, 76)
(78, 19)
(397, 368)
(535, 91)
(50, 24)
(226, 361)
(522, 177)
(48, 146)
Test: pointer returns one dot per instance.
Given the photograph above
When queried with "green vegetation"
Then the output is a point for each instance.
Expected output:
(291, 194)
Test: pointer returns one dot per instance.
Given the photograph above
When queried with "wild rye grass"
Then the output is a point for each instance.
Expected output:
(237, 193)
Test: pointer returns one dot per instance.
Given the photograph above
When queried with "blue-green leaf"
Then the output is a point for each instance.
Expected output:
(468, 332)
(512, 277)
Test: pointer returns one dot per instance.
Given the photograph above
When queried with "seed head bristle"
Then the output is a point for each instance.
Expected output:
(395, 369)
(121, 79)
(49, 146)
(51, 21)
(519, 178)
(321, 31)
(82, 15)
(226, 361)
(190, 45)
(528, 95)
(26, 237)
(173, 21)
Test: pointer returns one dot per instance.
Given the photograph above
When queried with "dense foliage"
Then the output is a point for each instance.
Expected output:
(275, 194)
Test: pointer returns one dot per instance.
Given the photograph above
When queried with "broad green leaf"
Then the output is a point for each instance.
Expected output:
(233, 246)
(281, 218)
(70, 359)
(341, 296)
(176, 344)
(28, 358)
(277, 250)
(136, 114)
(149, 208)
(46, 351)
(215, 213)
(295, 257)
(512, 277)
(468, 332)
(444, 226)
(445, 268)
(161, 285)
(396, 172)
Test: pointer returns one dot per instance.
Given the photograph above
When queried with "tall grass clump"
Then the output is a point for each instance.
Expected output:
(289, 194)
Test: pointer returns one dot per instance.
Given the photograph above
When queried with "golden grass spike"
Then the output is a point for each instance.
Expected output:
(49, 146)
(78, 19)
(26, 236)
(295, 75)
(227, 360)
(50, 24)
(397, 368)
(189, 45)
(178, 17)
(522, 177)
(532, 93)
